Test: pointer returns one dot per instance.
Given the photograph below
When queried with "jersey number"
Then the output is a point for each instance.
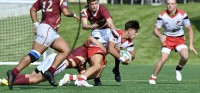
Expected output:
(48, 8)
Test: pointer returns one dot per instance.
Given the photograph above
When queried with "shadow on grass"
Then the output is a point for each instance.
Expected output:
(195, 22)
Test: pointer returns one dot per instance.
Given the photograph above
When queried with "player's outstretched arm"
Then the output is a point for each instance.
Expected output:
(190, 33)
(67, 12)
(94, 41)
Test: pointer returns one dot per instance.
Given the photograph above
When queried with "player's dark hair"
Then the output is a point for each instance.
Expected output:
(134, 24)
(88, 1)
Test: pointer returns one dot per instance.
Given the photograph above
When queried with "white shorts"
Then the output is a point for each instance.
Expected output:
(101, 34)
(178, 49)
(46, 64)
(46, 35)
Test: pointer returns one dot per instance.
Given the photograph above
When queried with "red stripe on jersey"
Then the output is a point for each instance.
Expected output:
(163, 12)
(181, 12)
(46, 36)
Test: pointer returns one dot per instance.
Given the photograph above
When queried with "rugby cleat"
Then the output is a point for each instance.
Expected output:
(83, 83)
(49, 76)
(97, 82)
(117, 75)
(178, 75)
(152, 80)
(11, 78)
(65, 80)
(3, 82)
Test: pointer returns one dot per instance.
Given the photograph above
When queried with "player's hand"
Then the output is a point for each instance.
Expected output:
(77, 18)
(94, 26)
(35, 25)
(193, 50)
(125, 62)
(118, 48)
(163, 38)
(35, 30)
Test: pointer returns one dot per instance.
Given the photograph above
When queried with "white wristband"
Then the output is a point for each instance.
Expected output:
(122, 59)
(35, 24)
(74, 15)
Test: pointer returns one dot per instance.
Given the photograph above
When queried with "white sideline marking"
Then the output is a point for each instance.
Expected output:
(15, 63)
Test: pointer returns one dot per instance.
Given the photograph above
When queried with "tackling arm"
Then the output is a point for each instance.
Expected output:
(85, 24)
(111, 24)
(94, 41)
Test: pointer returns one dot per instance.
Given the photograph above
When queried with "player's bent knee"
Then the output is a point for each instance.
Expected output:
(34, 55)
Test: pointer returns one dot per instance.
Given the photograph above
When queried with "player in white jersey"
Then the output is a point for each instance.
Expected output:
(172, 20)
(124, 40)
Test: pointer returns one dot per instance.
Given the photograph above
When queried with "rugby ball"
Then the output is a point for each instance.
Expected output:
(126, 54)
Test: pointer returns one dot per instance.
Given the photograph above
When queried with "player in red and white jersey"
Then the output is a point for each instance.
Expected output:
(46, 36)
(172, 20)
(77, 59)
(124, 42)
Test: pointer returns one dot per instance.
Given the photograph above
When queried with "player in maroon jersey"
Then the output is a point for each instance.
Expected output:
(100, 20)
(77, 59)
(46, 36)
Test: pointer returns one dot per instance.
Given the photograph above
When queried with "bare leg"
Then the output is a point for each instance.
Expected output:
(26, 60)
(61, 46)
(184, 57)
(96, 65)
(161, 62)
(183, 60)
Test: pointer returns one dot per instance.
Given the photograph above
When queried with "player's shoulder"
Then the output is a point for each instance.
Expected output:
(102, 7)
(119, 31)
(163, 12)
(181, 12)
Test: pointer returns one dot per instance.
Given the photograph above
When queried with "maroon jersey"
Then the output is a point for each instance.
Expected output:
(79, 56)
(99, 17)
(51, 11)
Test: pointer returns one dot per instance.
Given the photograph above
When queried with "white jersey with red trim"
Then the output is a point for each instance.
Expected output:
(173, 25)
(127, 44)
(105, 35)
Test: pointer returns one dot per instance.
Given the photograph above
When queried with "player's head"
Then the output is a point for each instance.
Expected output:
(93, 5)
(132, 27)
(171, 5)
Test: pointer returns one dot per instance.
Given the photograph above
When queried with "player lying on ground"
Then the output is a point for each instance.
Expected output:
(124, 41)
(77, 59)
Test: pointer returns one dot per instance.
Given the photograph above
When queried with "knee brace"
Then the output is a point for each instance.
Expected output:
(34, 55)
(36, 70)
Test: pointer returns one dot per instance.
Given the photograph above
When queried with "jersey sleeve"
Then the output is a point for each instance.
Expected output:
(112, 38)
(84, 13)
(63, 4)
(159, 22)
(130, 47)
(36, 5)
(186, 20)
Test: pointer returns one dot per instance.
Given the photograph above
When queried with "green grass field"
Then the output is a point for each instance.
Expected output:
(134, 76)
(134, 80)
